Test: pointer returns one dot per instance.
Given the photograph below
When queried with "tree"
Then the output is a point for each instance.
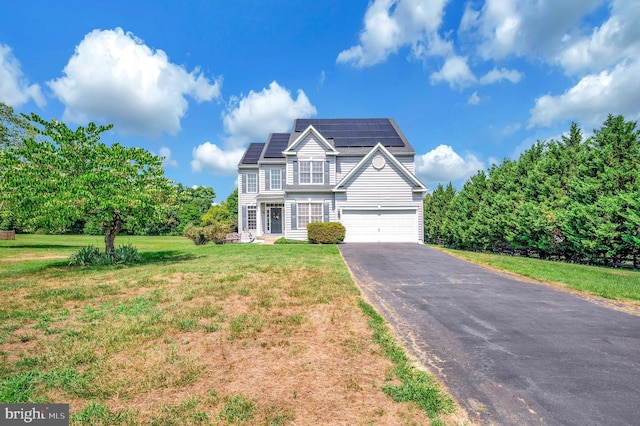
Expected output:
(13, 128)
(232, 206)
(67, 175)
(435, 208)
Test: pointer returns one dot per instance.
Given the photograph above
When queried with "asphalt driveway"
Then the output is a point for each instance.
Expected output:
(511, 352)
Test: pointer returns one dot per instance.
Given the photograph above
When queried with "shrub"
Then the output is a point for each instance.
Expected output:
(195, 234)
(84, 256)
(217, 231)
(284, 240)
(126, 254)
(91, 255)
(325, 232)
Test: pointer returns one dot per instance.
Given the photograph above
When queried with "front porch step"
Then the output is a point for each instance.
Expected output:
(268, 239)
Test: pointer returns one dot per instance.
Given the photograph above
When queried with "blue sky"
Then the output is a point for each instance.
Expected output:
(468, 82)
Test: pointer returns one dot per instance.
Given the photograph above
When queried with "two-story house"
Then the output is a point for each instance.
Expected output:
(359, 172)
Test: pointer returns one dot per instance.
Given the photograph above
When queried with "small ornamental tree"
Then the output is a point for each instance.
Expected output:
(65, 175)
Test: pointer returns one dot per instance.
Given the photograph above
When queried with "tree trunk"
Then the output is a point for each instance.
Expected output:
(111, 230)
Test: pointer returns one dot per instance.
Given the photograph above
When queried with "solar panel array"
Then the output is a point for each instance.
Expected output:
(253, 153)
(277, 143)
(357, 132)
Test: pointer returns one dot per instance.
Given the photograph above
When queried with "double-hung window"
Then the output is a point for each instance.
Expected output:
(309, 212)
(252, 218)
(276, 179)
(252, 182)
(311, 171)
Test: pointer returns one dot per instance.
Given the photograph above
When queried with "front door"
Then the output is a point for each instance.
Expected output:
(276, 220)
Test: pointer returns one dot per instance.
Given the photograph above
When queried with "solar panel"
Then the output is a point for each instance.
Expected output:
(354, 132)
(276, 144)
(253, 153)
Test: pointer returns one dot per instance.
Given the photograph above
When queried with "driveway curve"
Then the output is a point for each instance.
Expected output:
(511, 352)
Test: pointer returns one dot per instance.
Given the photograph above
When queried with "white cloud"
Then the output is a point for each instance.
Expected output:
(168, 161)
(522, 27)
(114, 77)
(251, 118)
(474, 99)
(443, 164)
(392, 24)
(15, 89)
(210, 157)
(496, 75)
(593, 98)
(617, 38)
(455, 71)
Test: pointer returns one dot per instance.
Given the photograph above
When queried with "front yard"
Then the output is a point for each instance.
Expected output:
(242, 334)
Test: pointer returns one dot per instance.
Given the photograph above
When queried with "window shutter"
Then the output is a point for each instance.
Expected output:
(283, 176)
(295, 172)
(244, 218)
(267, 179)
(326, 172)
(326, 212)
(244, 183)
(294, 217)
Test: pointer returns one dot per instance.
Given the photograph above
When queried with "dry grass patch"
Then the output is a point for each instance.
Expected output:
(232, 335)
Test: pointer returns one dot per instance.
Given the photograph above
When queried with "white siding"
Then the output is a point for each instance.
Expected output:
(344, 166)
(245, 199)
(301, 234)
(387, 186)
(310, 147)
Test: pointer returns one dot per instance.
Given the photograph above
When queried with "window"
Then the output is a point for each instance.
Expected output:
(252, 182)
(311, 171)
(276, 182)
(252, 222)
(309, 212)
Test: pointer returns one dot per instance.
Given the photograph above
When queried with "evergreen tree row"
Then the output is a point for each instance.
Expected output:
(573, 199)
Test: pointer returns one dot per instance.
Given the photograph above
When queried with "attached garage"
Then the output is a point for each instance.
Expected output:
(381, 226)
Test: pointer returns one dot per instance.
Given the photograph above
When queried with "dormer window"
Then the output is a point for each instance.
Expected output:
(311, 171)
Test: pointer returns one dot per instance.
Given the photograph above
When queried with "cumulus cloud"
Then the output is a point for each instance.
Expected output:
(593, 98)
(15, 89)
(210, 157)
(617, 38)
(114, 77)
(443, 164)
(521, 27)
(392, 24)
(497, 75)
(168, 161)
(251, 118)
(455, 71)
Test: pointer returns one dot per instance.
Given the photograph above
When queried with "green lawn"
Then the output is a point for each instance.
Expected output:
(615, 284)
(231, 334)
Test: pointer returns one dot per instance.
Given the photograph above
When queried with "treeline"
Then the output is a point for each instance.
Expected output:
(575, 199)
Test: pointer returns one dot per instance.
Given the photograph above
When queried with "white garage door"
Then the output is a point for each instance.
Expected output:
(380, 226)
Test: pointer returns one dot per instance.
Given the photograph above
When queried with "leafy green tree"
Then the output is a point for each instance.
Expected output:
(232, 206)
(67, 175)
(13, 128)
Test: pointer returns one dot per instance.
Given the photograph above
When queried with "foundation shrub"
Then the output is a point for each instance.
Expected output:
(325, 232)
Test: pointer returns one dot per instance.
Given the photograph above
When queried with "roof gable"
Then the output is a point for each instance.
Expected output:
(291, 150)
(379, 148)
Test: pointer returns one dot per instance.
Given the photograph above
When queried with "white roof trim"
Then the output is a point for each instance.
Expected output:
(309, 130)
(419, 187)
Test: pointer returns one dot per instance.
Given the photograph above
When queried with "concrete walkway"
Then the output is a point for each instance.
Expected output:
(511, 352)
